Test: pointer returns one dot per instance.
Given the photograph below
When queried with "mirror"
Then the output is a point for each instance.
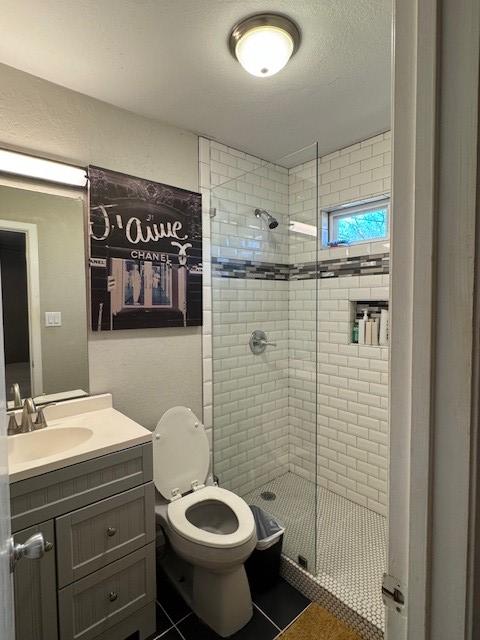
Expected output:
(44, 298)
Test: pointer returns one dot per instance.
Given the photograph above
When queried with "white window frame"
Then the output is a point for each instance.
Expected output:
(352, 208)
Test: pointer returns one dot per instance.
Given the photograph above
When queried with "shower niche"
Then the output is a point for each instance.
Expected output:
(376, 313)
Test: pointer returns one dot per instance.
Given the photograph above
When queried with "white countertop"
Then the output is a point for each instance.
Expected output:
(103, 430)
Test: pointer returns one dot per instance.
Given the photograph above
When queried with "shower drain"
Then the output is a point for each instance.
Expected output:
(268, 495)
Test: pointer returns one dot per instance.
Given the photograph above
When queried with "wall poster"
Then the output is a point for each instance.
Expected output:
(145, 253)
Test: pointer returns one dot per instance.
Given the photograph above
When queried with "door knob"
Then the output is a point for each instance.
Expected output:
(34, 548)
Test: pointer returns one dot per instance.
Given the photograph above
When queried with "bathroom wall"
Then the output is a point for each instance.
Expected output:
(352, 403)
(151, 370)
(249, 292)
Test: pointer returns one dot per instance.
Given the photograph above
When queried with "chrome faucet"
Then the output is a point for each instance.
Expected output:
(29, 408)
(29, 422)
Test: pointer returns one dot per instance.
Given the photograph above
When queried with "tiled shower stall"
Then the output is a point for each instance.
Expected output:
(307, 420)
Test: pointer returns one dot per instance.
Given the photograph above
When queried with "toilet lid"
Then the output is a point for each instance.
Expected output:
(180, 452)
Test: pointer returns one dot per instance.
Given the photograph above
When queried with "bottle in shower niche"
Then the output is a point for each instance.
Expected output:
(384, 327)
(375, 332)
(362, 327)
(355, 332)
(368, 332)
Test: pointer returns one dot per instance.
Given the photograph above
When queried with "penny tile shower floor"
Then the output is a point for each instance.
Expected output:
(351, 541)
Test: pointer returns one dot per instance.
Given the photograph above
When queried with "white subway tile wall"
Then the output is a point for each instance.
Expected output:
(266, 412)
(350, 412)
(204, 185)
(349, 415)
(251, 392)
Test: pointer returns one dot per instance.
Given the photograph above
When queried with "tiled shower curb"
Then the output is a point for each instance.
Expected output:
(306, 584)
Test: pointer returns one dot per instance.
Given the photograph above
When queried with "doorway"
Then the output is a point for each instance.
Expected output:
(13, 265)
(21, 307)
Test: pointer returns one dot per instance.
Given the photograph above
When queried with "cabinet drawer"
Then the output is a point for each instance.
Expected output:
(88, 607)
(90, 538)
(52, 494)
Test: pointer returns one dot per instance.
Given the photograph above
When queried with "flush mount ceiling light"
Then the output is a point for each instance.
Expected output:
(264, 43)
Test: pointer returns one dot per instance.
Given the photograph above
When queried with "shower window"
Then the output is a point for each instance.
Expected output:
(358, 223)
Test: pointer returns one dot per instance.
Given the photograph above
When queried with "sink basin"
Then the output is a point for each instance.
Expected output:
(50, 441)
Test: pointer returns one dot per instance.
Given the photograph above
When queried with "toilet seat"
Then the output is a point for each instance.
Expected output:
(177, 518)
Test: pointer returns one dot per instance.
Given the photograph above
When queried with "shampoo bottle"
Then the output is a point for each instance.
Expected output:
(375, 327)
(355, 332)
(384, 327)
(362, 327)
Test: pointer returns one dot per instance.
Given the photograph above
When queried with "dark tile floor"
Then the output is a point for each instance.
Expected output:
(274, 610)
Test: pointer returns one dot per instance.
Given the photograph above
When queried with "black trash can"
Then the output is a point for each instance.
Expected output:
(263, 566)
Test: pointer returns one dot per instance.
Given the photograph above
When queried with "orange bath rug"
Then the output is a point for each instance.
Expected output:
(316, 623)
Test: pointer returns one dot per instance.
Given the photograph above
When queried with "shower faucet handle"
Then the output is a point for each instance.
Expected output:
(268, 344)
(258, 342)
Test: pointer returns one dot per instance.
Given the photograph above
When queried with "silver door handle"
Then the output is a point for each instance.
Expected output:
(34, 548)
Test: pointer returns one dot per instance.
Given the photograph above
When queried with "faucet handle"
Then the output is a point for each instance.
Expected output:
(41, 421)
(13, 426)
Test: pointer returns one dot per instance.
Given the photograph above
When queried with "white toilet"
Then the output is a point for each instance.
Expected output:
(210, 528)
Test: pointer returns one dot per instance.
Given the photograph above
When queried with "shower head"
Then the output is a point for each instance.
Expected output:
(269, 219)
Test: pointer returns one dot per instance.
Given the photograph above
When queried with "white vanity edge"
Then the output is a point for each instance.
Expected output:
(112, 431)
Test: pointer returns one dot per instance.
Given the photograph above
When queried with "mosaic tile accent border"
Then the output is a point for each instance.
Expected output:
(308, 585)
(356, 266)
(232, 268)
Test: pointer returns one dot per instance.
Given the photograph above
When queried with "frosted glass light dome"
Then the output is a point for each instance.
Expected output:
(264, 43)
(264, 51)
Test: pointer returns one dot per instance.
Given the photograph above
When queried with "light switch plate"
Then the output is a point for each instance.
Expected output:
(53, 318)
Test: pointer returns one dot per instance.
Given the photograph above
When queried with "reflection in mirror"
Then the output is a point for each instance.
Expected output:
(42, 262)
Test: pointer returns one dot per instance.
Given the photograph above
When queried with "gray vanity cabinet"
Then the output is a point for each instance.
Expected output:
(103, 599)
(92, 537)
(98, 581)
(35, 590)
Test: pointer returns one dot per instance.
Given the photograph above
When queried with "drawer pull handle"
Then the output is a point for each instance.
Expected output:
(111, 531)
(112, 596)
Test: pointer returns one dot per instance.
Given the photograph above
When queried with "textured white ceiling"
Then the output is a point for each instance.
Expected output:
(168, 59)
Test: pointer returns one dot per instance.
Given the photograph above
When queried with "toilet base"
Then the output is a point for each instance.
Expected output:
(222, 600)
